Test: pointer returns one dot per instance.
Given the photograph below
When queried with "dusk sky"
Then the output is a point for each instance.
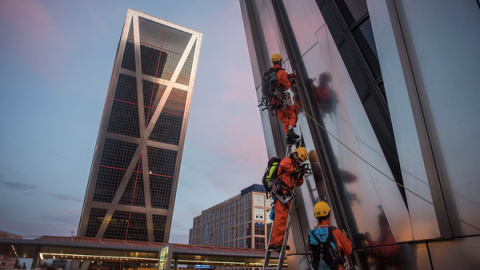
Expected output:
(56, 59)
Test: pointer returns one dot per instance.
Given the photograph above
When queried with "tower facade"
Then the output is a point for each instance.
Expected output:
(133, 179)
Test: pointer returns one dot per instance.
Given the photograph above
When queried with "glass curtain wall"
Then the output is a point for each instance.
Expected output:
(350, 167)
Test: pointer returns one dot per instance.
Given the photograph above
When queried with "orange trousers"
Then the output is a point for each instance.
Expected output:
(279, 224)
(288, 116)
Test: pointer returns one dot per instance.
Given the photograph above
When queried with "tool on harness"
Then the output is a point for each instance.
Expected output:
(302, 170)
(272, 96)
(282, 192)
(323, 245)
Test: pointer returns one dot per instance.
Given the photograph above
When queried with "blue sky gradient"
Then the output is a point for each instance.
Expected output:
(56, 58)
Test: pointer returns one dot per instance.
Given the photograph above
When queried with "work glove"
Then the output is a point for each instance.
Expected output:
(300, 182)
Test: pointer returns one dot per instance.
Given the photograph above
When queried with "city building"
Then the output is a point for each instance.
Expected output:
(8, 256)
(387, 98)
(241, 221)
(134, 174)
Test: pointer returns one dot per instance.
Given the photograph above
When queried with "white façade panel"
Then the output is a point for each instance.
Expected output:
(372, 193)
(397, 79)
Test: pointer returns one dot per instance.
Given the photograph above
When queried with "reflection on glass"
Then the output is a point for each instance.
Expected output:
(352, 10)
(364, 37)
(324, 95)
(385, 253)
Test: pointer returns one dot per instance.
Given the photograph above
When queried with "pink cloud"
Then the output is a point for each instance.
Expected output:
(31, 35)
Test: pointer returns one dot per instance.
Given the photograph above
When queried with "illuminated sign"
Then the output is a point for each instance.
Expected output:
(202, 266)
(163, 260)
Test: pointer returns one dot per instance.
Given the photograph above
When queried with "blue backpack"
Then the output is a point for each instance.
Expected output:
(324, 248)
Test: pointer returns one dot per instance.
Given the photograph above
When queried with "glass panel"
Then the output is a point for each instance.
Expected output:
(364, 37)
(128, 226)
(259, 200)
(411, 256)
(162, 47)
(446, 60)
(169, 124)
(305, 19)
(186, 72)
(259, 243)
(128, 61)
(259, 214)
(370, 199)
(124, 114)
(352, 10)
(161, 168)
(94, 221)
(259, 228)
(133, 194)
(248, 243)
(269, 30)
(116, 157)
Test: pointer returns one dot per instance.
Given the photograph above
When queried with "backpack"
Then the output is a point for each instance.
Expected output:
(269, 87)
(271, 173)
(324, 248)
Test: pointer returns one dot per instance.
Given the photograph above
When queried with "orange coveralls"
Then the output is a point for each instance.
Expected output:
(285, 171)
(288, 114)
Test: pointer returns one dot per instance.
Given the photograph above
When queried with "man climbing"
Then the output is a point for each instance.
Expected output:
(328, 245)
(280, 99)
(290, 172)
(325, 96)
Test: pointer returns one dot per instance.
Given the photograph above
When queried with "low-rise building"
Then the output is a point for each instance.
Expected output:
(241, 221)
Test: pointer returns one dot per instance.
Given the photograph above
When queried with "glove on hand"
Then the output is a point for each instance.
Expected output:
(300, 182)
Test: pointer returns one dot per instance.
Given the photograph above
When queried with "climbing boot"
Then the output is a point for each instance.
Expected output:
(291, 134)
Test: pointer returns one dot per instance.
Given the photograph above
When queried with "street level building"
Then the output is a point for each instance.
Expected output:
(8, 257)
(134, 174)
(241, 221)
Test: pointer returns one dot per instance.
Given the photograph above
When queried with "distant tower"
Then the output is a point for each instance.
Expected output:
(133, 179)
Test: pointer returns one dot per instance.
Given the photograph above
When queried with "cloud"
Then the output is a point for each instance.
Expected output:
(9, 185)
(31, 37)
(65, 197)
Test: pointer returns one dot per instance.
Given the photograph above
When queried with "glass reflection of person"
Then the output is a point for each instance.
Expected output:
(345, 176)
(387, 252)
(324, 94)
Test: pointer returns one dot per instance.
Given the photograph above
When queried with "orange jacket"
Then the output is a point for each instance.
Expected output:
(343, 242)
(282, 78)
(285, 171)
(387, 240)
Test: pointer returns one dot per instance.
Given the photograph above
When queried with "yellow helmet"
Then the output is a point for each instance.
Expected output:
(302, 153)
(276, 58)
(321, 209)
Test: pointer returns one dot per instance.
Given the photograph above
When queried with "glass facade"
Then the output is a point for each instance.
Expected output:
(376, 122)
(132, 184)
(236, 228)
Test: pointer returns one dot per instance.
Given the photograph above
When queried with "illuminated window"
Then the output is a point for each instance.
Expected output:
(259, 214)
(259, 243)
(259, 228)
(259, 200)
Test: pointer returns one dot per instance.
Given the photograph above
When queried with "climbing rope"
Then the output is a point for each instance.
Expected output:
(382, 173)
